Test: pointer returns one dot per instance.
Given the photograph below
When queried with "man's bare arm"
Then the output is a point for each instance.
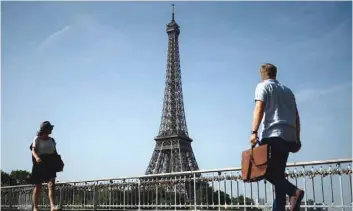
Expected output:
(258, 114)
(297, 124)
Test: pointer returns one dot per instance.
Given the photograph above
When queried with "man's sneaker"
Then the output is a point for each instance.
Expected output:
(295, 201)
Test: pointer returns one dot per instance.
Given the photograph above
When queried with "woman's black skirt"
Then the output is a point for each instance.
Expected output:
(44, 171)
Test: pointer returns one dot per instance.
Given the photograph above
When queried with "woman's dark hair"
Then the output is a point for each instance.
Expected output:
(40, 132)
(44, 130)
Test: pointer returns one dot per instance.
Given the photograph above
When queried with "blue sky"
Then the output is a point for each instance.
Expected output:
(97, 71)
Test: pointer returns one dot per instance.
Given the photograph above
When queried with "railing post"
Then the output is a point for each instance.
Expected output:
(340, 182)
(175, 193)
(156, 194)
(330, 173)
(10, 200)
(110, 195)
(312, 175)
(95, 197)
(231, 188)
(304, 181)
(73, 193)
(139, 193)
(244, 187)
(124, 204)
(84, 199)
(60, 197)
(219, 190)
(194, 191)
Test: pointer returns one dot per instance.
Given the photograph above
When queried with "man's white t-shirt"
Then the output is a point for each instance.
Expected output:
(280, 110)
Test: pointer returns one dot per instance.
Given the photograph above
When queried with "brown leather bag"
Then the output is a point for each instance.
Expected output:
(254, 163)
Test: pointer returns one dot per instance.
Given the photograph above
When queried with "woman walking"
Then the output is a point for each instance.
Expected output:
(45, 164)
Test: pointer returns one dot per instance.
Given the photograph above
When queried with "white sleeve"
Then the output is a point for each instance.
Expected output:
(261, 93)
(35, 141)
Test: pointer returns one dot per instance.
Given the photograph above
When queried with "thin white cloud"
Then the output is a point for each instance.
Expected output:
(83, 27)
(52, 36)
(308, 94)
(310, 45)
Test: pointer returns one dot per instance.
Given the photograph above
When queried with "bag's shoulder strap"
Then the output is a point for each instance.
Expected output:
(53, 140)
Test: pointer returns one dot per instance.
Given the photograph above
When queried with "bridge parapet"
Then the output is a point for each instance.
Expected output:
(327, 184)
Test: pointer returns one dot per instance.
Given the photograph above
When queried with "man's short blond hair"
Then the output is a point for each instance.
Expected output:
(268, 71)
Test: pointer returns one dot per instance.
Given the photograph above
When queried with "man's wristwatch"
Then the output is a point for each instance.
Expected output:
(253, 132)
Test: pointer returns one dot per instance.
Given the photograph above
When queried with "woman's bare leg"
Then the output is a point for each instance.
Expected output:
(35, 197)
(51, 192)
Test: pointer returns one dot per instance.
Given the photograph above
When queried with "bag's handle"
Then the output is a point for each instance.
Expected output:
(257, 142)
(252, 151)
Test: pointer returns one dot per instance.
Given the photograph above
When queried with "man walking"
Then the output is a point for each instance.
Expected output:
(281, 130)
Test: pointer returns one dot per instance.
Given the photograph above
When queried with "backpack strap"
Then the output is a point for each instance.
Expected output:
(53, 140)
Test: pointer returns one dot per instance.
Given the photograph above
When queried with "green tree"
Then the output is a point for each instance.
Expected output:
(6, 179)
(20, 176)
(206, 195)
(240, 200)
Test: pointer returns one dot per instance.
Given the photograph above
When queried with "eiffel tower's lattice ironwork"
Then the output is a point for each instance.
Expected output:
(173, 151)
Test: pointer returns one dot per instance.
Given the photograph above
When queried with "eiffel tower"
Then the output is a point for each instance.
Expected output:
(173, 151)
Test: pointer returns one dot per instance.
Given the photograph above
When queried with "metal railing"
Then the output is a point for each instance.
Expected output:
(327, 185)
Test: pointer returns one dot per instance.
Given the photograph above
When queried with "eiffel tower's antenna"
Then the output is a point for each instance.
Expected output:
(173, 9)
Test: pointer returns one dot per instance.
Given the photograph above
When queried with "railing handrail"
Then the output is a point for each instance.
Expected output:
(294, 164)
